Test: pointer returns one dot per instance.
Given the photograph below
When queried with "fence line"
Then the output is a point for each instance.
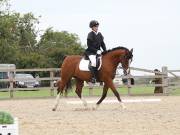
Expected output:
(166, 85)
(11, 79)
(144, 70)
(37, 69)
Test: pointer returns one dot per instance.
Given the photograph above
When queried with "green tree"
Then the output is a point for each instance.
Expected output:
(27, 33)
(4, 6)
(28, 55)
(19, 45)
(18, 37)
(55, 45)
(8, 38)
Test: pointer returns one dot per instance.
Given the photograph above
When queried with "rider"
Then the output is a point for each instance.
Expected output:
(95, 41)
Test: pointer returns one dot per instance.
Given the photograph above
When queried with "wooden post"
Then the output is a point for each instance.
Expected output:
(165, 80)
(11, 87)
(129, 86)
(90, 89)
(52, 83)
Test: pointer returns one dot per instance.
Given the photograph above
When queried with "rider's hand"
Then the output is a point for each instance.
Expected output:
(99, 52)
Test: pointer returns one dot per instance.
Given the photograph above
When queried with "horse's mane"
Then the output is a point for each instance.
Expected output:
(113, 49)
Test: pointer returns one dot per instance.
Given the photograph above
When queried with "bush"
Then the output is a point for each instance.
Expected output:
(6, 118)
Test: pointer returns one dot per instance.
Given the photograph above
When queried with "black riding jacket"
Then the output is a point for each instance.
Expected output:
(94, 43)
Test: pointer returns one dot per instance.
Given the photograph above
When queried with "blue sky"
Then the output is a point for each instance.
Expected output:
(151, 27)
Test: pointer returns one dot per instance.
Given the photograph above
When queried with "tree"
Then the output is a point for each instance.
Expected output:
(55, 45)
(28, 55)
(17, 36)
(8, 38)
(27, 33)
(4, 6)
(19, 45)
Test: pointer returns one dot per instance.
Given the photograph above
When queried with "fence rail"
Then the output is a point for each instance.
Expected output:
(12, 80)
(166, 85)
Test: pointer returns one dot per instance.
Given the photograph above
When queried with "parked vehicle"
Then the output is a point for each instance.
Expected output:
(25, 81)
(6, 71)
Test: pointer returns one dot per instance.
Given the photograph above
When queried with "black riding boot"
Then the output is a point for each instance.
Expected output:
(93, 72)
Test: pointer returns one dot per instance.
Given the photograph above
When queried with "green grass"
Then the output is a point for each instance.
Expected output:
(175, 92)
(123, 90)
(24, 94)
(96, 92)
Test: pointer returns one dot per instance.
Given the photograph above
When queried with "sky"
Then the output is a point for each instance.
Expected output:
(150, 27)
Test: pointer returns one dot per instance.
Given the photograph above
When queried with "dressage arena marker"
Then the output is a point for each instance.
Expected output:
(115, 101)
(10, 129)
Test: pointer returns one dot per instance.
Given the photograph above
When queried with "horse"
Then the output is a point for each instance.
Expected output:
(110, 61)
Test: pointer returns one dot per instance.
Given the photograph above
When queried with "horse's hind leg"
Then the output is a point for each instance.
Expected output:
(61, 86)
(111, 85)
(56, 102)
(79, 86)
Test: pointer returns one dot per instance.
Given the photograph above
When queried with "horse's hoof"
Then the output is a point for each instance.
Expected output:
(85, 105)
(95, 107)
(123, 106)
(53, 109)
(87, 109)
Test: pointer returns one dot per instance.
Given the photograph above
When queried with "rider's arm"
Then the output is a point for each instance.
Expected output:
(103, 46)
(102, 43)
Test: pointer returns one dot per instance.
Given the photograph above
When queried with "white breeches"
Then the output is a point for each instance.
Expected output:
(93, 60)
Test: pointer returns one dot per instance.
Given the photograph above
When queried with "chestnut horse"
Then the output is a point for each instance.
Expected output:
(106, 74)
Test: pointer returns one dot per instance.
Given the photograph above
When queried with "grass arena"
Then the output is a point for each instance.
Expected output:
(148, 115)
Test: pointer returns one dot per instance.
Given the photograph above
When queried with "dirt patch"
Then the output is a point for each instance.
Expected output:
(36, 118)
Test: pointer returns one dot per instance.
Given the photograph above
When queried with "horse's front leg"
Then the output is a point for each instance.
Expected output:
(104, 94)
(113, 88)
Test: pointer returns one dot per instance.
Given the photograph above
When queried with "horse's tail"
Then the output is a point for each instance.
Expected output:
(58, 85)
(67, 88)
(64, 57)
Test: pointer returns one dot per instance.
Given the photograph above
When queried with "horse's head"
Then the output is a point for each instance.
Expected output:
(121, 55)
(126, 60)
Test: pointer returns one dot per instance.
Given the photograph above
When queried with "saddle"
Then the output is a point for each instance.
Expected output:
(85, 63)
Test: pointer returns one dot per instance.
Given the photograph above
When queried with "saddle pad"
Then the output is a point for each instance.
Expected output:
(84, 65)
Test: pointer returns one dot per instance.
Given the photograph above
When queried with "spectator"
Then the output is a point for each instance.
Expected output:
(158, 89)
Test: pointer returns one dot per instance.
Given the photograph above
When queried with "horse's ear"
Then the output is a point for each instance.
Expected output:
(131, 50)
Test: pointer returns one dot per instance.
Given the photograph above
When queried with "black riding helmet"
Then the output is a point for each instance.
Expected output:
(93, 23)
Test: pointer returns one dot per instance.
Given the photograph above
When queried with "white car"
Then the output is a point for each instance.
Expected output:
(25, 81)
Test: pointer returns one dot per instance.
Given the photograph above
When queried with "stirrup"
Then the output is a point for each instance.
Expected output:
(93, 80)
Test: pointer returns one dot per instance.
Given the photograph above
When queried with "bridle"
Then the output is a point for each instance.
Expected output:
(128, 56)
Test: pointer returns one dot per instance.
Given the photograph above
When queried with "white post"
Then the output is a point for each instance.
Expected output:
(52, 83)
(90, 89)
(11, 87)
(165, 80)
(129, 86)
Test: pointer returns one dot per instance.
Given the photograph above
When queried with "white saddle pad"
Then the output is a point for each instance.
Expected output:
(83, 65)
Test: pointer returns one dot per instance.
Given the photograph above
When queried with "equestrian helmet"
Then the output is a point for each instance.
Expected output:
(93, 23)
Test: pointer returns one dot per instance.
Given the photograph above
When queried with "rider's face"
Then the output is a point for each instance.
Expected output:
(95, 28)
